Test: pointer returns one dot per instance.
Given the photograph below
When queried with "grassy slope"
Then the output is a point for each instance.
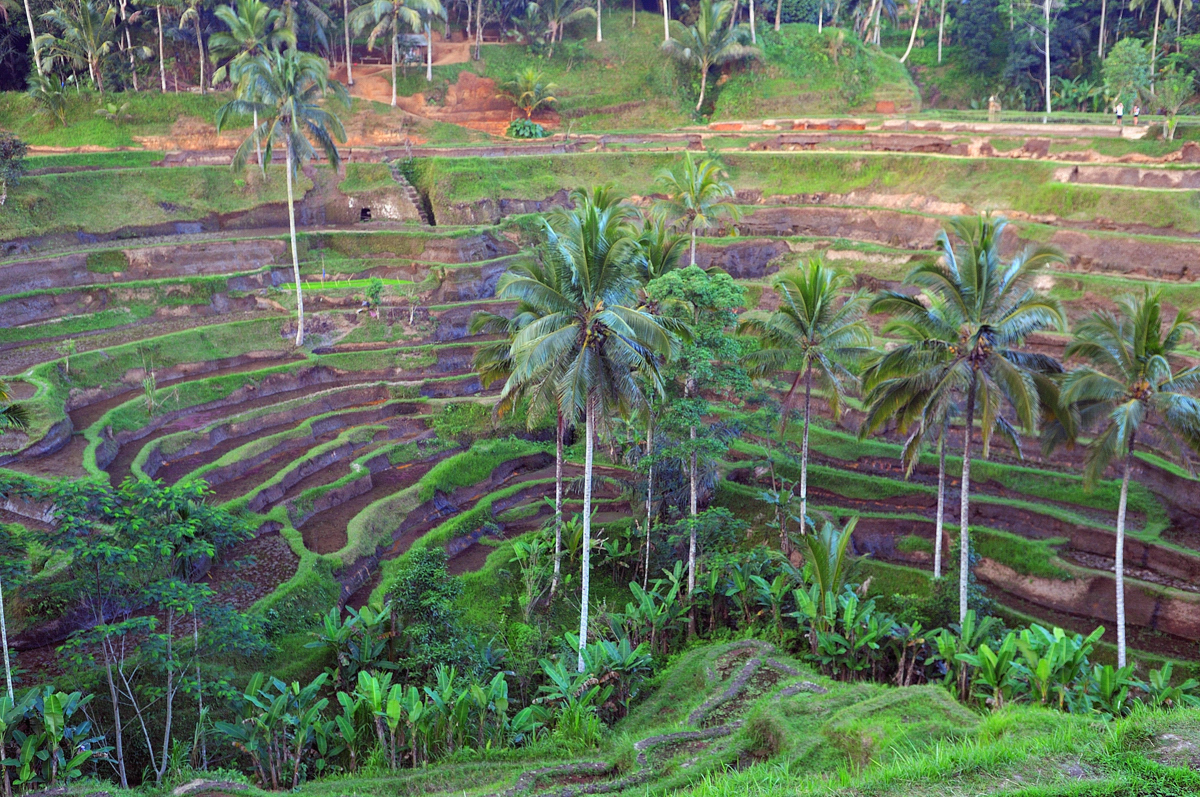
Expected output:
(984, 184)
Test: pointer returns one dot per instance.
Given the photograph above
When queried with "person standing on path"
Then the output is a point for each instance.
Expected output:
(1137, 110)
(1120, 111)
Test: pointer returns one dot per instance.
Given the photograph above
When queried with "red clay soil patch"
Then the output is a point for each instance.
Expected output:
(253, 569)
(1138, 637)
(1108, 564)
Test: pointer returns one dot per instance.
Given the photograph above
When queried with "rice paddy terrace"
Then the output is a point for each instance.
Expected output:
(163, 349)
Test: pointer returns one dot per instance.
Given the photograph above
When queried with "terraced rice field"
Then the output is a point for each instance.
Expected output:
(181, 367)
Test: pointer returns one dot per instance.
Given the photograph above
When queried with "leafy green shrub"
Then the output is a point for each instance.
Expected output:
(525, 128)
(107, 261)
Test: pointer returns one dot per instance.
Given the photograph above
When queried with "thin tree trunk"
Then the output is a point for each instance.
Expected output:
(941, 30)
(649, 497)
(804, 456)
(295, 255)
(693, 228)
(200, 46)
(350, 47)
(262, 167)
(753, 34)
(1153, 39)
(912, 37)
(667, 20)
(588, 446)
(778, 9)
(558, 502)
(599, 32)
(633, 13)
(1119, 563)
(116, 708)
(1100, 45)
(169, 697)
(395, 48)
(820, 17)
(703, 86)
(428, 53)
(1046, 5)
(692, 537)
(162, 59)
(37, 59)
(4, 645)
(478, 29)
(199, 693)
(941, 504)
(964, 543)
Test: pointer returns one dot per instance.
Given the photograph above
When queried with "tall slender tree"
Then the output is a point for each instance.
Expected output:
(1130, 390)
(16, 417)
(284, 89)
(591, 334)
(709, 42)
(391, 17)
(697, 194)
(818, 331)
(493, 362)
(989, 308)
(254, 28)
(86, 36)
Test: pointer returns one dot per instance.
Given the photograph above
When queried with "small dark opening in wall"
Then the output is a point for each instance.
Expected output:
(364, 214)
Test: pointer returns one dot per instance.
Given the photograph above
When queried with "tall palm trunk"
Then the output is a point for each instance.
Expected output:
(1103, 13)
(753, 34)
(588, 446)
(162, 59)
(599, 32)
(941, 504)
(4, 645)
(666, 19)
(1119, 563)
(778, 9)
(200, 47)
(349, 47)
(649, 497)
(941, 30)
(1153, 39)
(804, 456)
(693, 228)
(395, 53)
(428, 52)
(912, 37)
(258, 147)
(964, 543)
(1046, 46)
(295, 255)
(37, 59)
(692, 537)
(558, 502)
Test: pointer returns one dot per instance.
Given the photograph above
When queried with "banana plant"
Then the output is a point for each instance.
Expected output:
(995, 670)
(772, 595)
(58, 748)
(1163, 695)
(740, 587)
(960, 639)
(1108, 690)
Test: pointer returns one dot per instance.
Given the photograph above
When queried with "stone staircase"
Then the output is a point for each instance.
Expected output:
(411, 194)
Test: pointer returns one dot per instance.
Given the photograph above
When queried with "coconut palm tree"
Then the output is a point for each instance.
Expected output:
(590, 339)
(12, 416)
(1130, 392)
(493, 361)
(897, 388)
(37, 59)
(559, 14)
(87, 34)
(391, 17)
(988, 308)
(817, 332)
(254, 28)
(709, 41)
(697, 194)
(191, 13)
(284, 89)
(529, 91)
